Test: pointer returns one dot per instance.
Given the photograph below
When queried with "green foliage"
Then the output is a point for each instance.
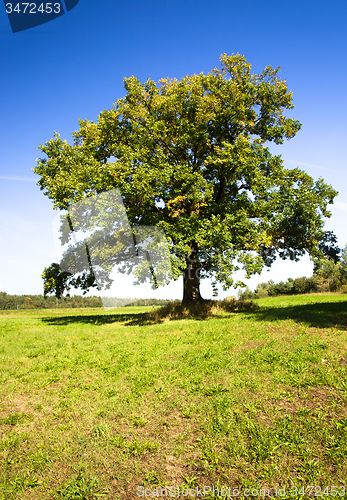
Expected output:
(329, 276)
(332, 275)
(152, 302)
(8, 302)
(246, 294)
(282, 288)
(57, 281)
(189, 156)
(304, 285)
(290, 287)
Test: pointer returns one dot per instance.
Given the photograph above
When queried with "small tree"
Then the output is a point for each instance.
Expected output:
(262, 290)
(246, 294)
(284, 288)
(332, 274)
(304, 285)
(189, 157)
(57, 281)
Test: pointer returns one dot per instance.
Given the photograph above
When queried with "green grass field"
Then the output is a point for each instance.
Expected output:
(99, 404)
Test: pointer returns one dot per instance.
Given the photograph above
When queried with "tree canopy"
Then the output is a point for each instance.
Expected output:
(190, 157)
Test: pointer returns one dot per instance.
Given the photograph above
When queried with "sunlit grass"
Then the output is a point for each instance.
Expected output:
(96, 404)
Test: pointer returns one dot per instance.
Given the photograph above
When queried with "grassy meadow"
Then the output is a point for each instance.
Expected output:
(97, 404)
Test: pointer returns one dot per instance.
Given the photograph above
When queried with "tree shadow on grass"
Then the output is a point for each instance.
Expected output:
(318, 315)
(199, 312)
(97, 319)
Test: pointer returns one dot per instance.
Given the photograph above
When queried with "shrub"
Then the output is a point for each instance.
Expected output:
(304, 285)
(246, 294)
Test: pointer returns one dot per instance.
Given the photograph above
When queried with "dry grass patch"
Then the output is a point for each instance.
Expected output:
(203, 309)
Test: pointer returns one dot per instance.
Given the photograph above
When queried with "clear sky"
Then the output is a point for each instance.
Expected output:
(73, 67)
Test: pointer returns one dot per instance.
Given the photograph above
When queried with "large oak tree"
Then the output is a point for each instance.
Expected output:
(190, 156)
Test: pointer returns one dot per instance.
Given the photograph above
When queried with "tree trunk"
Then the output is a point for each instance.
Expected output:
(191, 277)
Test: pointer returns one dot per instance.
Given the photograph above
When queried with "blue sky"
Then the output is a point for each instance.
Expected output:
(74, 67)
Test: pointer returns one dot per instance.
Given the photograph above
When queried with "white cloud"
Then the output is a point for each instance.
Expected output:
(301, 163)
(21, 179)
(340, 206)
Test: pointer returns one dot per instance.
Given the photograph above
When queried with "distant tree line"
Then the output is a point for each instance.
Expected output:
(153, 302)
(272, 289)
(330, 275)
(114, 302)
(8, 301)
